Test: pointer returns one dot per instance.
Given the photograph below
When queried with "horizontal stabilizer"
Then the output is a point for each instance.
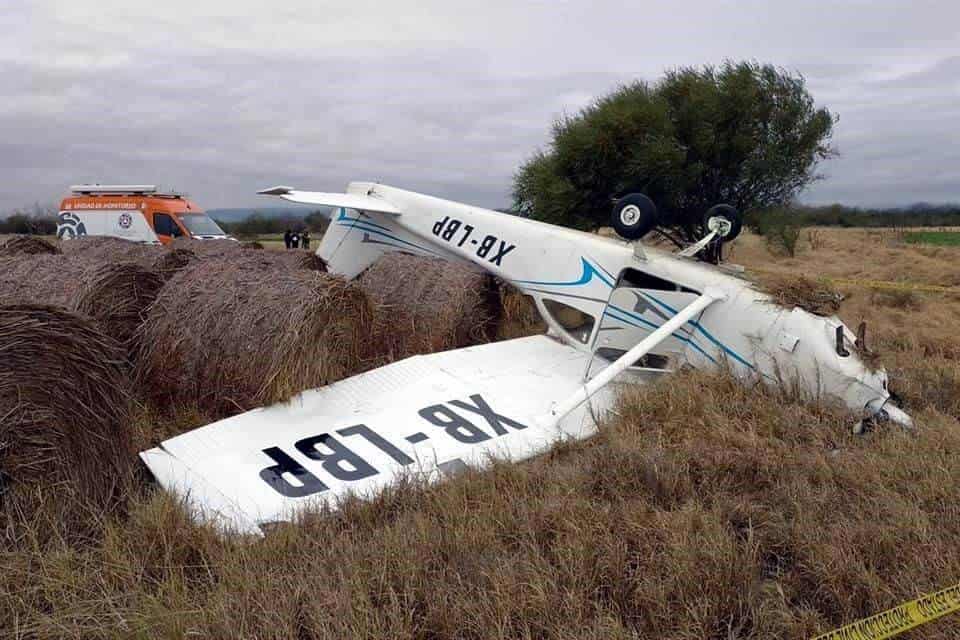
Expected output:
(346, 200)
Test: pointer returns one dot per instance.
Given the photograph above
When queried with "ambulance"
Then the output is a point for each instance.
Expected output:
(137, 212)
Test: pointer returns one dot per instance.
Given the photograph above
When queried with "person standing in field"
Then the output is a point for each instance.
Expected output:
(305, 239)
(287, 238)
(295, 240)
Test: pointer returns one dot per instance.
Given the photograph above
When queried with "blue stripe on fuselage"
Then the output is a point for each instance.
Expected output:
(589, 271)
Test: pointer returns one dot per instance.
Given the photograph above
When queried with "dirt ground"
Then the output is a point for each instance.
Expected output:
(703, 510)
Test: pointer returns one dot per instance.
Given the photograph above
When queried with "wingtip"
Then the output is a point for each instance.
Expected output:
(276, 191)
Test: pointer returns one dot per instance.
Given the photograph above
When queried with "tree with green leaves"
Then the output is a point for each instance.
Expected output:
(744, 134)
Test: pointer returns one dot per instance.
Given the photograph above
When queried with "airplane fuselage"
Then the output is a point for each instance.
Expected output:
(623, 290)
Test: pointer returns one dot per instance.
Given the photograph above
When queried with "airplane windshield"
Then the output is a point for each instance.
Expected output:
(199, 224)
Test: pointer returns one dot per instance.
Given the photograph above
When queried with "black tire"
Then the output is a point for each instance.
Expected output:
(634, 216)
(727, 213)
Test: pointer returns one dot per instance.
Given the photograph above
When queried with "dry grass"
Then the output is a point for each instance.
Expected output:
(233, 333)
(704, 510)
(793, 291)
(914, 334)
(871, 254)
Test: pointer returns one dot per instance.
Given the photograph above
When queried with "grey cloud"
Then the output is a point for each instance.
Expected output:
(222, 99)
(944, 74)
(314, 122)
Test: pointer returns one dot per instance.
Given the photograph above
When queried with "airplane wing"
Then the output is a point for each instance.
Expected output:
(346, 200)
(428, 415)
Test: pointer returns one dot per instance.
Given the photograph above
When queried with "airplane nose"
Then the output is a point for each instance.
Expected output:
(896, 414)
(883, 409)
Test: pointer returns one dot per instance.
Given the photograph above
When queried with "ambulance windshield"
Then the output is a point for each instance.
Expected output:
(199, 224)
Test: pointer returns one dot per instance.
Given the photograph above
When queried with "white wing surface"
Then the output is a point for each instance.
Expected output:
(426, 415)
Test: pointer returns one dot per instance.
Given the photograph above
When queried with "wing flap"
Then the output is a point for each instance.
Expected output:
(421, 416)
(346, 200)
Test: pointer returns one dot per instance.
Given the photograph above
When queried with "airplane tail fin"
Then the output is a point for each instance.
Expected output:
(355, 239)
(362, 228)
(349, 246)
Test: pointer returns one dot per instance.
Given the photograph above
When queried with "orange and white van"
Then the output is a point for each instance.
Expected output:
(136, 212)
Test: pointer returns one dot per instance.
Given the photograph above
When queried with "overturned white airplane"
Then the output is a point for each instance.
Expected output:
(644, 313)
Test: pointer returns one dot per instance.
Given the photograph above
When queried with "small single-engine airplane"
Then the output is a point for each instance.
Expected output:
(641, 312)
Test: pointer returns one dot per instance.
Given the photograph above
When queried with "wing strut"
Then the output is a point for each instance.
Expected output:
(694, 249)
(562, 408)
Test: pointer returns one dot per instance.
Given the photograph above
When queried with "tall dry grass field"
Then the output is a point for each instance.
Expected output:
(703, 510)
(915, 334)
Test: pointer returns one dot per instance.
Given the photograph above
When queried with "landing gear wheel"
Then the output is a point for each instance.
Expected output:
(634, 216)
(725, 220)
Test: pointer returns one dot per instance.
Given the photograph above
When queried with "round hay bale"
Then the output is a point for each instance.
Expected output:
(209, 248)
(235, 333)
(206, 249)
(519, 316)
(116, 295)
(426, 305)
(64, 404)
(171, 261)
(300, 259)
(107, 250)
(22, 245)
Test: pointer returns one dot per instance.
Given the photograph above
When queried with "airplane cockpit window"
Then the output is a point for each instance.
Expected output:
(576, 323)
(634, 278)
(649, 361)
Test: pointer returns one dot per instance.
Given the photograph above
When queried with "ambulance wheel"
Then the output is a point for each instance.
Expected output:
(634, 216)
(725, 220)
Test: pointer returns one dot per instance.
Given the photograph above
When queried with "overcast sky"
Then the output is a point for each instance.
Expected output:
(222, 98)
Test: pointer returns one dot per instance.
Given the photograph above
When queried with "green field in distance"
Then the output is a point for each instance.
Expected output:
(942, 238)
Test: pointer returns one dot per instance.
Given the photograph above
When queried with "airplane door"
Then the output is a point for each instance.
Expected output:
(632, 313)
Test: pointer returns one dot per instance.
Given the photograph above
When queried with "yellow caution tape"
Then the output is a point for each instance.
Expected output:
(877, 284)
(895, 621)
(897, 286)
